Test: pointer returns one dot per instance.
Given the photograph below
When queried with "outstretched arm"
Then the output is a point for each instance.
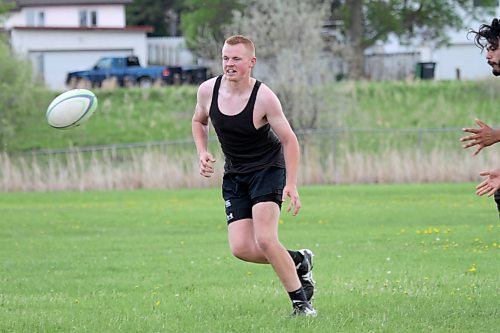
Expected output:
(483, 136)
(490, 185)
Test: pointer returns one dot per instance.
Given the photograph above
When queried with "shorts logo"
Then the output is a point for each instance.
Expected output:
(228, 203)
(229, 217)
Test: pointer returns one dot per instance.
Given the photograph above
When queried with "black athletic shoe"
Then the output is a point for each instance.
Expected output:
(303, 309)
(304, 271)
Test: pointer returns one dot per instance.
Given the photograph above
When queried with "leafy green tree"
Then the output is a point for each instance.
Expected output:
(364, 22)
(5, 6)
(162, 15)
(289, 49)
(17, 93)
(206, 16)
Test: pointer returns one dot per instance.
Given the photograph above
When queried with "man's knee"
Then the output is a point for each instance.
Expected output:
(266, 243)
(240, 250)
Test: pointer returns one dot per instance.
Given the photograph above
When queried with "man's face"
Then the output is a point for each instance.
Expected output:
(493, 59)
(237, 61)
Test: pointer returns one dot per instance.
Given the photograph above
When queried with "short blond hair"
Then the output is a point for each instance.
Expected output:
(240, 39)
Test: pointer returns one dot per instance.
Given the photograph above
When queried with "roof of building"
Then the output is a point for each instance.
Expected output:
(30, 3)
(140, 28)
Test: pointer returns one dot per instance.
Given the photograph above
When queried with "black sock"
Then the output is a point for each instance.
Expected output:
(297, 295)
(296, 257)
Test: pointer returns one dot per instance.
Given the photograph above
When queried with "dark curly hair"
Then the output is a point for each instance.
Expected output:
(488, 35)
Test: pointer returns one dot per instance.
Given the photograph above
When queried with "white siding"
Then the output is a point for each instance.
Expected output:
(169, 51)
(112, 16)
(467, 58)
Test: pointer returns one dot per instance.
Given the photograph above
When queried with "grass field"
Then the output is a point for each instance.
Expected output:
(134, 115)
(389, 258)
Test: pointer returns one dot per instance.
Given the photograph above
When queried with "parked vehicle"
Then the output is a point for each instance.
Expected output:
(127, 72)
(193, 74)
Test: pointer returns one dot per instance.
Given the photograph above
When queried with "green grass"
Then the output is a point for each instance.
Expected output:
(399, 258)
(122, 116)
(134, 115)
(434, 104)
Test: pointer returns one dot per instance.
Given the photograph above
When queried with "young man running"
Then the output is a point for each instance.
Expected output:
(258, 143)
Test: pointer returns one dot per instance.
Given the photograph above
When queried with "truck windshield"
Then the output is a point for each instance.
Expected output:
(104, 63)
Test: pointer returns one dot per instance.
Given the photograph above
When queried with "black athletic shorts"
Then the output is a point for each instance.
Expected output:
(497, 200)
(242, 191)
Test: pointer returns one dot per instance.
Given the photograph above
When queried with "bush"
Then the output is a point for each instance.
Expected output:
(18, 92)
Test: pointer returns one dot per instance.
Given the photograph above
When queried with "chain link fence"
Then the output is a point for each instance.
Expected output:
(328, 156)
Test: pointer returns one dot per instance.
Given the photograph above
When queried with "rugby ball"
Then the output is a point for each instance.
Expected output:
(71, 109)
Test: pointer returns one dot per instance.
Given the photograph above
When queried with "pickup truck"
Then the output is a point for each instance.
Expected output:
(127, 72)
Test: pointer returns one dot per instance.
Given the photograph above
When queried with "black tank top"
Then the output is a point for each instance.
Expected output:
(246, 148)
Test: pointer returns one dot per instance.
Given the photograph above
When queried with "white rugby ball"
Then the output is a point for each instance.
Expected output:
(71, 109)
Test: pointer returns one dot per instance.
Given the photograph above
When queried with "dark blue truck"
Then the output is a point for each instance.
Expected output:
(128, 72)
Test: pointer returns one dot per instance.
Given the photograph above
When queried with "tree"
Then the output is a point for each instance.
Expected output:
(366, 22)
(19, 91)
(289, 49)
(207, 17)
(163, 15)
(355, 32)
(6, 6)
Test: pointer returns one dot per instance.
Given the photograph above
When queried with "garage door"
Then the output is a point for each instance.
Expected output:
(54, 65)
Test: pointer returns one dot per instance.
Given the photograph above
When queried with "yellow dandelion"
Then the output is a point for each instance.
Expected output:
(472, 269)
(157, 302)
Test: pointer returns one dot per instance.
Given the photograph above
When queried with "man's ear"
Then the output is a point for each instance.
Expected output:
(253, 61)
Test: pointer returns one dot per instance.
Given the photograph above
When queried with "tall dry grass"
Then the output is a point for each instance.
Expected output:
(395, 166)
(152, 168)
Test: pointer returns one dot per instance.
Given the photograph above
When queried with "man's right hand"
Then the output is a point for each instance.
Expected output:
(490, 185)
(206, 164)
(483, 136)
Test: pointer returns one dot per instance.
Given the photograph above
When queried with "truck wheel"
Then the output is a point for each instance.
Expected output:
(128, 82)
(84, 84)
(145, 82)
(73, 83)
(78, 82)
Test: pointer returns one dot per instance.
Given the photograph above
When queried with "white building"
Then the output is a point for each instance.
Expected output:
(62, 36)
(460, 59)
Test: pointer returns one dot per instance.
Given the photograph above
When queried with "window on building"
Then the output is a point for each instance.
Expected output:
(30, 18)
(35, 18)
(41, 18)
(88, 18)
(93, 18)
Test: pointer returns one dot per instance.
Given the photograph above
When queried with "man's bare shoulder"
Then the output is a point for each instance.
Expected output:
(205, 89)
(267, 97)
(204, 98)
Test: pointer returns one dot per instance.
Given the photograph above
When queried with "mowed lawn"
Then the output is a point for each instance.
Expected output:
(389, 258)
